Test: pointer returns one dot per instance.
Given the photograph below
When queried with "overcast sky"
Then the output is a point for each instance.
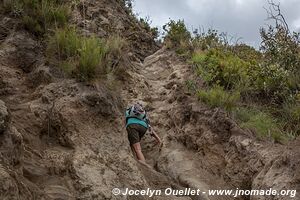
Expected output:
(240, 18)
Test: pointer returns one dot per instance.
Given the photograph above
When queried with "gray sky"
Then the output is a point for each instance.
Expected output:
(240, 18)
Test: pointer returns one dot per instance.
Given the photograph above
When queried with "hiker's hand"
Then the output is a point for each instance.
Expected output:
(159, 142)
(160, 145)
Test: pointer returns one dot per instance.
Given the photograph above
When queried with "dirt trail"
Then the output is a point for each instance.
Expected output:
(203, 148)
(158, 80)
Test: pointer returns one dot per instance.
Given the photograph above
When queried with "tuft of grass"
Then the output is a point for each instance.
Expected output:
(65, 42)
(116, 44)
(13, 7)
(191, 85)
(84, 57)
(290, 116)
(37, 16)
(264, 125)
(116, 51)
(91, 56)
(218, 97)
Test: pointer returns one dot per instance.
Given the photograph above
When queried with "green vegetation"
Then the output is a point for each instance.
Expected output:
(237, 76)
(91, 56)
(260, 122)
(178, 37)
(65, 42)
(84, 57)
(221, 68)
(218, 97)
(37, 16)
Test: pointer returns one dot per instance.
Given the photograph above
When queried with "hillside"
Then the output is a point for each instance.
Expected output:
(63, 137)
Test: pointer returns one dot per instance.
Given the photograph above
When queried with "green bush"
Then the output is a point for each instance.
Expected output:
(177, 36)
(247, 53)
(281, 47)
(270, 81)
(207, 40)
(221, 68)
(218, 97)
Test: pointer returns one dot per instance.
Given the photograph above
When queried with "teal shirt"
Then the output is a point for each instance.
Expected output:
(135, 121)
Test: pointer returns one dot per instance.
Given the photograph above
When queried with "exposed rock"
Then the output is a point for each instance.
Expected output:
(41, 75)
(59, 192)
(102, 103)
(7, 24)
(25, 52)
(8, 187)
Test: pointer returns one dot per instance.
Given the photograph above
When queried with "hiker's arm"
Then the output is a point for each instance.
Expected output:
(157, 138)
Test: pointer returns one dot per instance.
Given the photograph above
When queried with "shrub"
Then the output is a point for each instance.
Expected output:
(222, 68)
(271, 81)
(178, 36)
(86, 53)
(281, 47)
(247, 53)
(207, 40)
(218, 97)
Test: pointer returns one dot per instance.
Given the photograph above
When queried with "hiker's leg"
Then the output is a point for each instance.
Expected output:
(138, 152)
(133, 151)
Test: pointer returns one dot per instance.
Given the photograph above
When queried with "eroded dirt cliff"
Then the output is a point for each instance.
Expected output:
(61, 139)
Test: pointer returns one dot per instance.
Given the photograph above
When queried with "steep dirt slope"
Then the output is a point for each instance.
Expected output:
(60, 139)
(66, 140)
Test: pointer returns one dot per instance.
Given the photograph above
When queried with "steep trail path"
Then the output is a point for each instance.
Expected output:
(157, 84)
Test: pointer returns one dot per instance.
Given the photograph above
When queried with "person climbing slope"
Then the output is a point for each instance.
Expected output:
(137, 124)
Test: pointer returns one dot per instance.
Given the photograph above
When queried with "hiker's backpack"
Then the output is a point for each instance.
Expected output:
(136, 111)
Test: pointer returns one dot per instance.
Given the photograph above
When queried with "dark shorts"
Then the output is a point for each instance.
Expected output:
(135, 133)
